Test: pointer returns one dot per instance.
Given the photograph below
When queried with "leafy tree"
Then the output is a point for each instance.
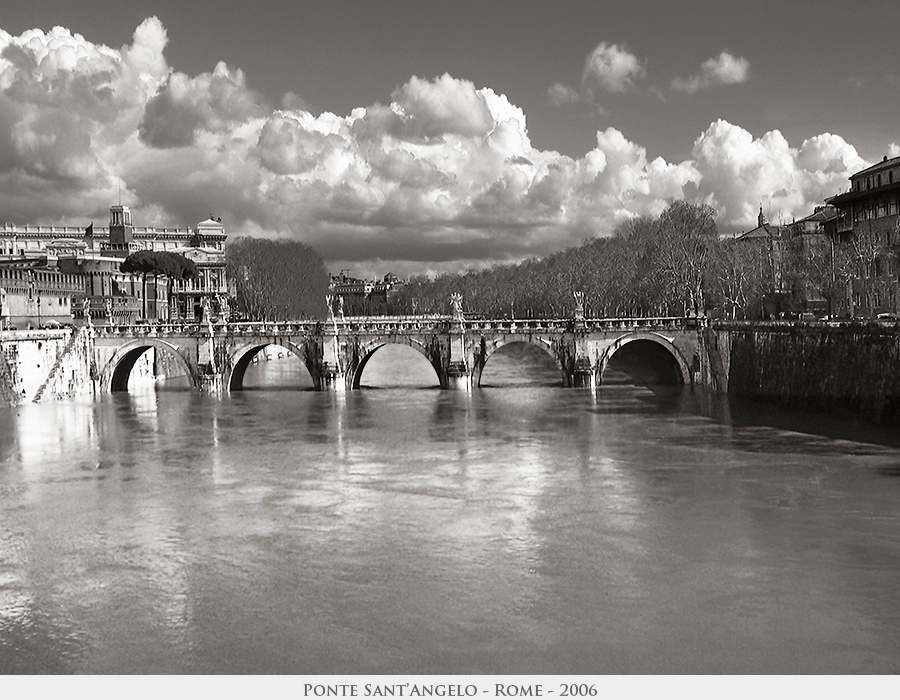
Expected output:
(158, 263)
(277, 280)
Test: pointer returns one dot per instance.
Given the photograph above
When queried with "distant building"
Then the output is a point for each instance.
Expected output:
(769, 239)
(811, 250)
(871, 204)
(34, 296)
(867, 230)
(92, 255)
(365, 296)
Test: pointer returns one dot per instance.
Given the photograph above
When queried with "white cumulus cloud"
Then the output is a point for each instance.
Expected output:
(611, 68)
(738, 172)
(723, 69)
(441, 173)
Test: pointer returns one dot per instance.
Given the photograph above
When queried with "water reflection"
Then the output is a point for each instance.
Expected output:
(513, 529)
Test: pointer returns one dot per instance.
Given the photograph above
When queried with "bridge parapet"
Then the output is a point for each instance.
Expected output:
(268, 328)
(518, 325)
(388, 325)
(644, 323)
(145, 329)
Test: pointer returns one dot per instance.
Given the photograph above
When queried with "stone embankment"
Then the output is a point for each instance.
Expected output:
(43, 365)
(847, 368)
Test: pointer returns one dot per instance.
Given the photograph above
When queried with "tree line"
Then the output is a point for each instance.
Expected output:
(276, 280)
(676, 264)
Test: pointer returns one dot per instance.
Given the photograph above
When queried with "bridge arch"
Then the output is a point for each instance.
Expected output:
(660, 340)
(545, 344)
(239, 360)
(115, 374)
(368, 349)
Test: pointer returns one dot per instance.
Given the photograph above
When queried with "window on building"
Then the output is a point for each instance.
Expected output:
(879, 180)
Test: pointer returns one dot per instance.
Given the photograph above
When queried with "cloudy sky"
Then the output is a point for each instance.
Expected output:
(412, 135)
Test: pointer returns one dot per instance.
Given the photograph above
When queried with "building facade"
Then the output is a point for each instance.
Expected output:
(86, 261)
(866, 235)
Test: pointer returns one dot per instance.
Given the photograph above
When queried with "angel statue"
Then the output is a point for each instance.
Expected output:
(207, 315)
(579, 301)
(456, 303)
(328, 299)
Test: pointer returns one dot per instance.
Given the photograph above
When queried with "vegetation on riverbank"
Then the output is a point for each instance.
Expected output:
(276, 280)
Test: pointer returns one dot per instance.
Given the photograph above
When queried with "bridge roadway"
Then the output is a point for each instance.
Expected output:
(215, 356)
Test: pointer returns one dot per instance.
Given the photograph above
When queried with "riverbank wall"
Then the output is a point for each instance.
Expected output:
(849, 369)
(43, 365)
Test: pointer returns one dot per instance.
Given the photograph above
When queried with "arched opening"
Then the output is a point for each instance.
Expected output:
(643, 363)
(520, 364)
(392, 365)
(150, 368)
(270, 367)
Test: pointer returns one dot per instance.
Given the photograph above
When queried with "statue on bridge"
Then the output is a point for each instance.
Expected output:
(456, 303)
(224, 310)
(579, 304)
(109, 313)
(207, 315)
(328, 302)
(86, 310)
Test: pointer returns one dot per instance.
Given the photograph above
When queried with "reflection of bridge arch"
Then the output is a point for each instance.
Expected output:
(368, 349)
(114, 376)
(241, 358)
(543, 343)
(657, 338)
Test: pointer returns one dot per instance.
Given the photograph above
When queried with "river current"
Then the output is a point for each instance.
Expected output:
(522, 528)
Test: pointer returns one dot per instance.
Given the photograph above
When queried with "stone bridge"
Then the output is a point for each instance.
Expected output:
(215, 356)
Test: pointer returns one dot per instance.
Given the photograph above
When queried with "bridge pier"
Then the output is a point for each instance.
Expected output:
(334, 376)
(459, 374)
(332, 379)
(583, 374)
(211, 383)
(459, 377)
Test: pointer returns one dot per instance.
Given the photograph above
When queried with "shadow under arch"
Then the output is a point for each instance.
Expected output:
(367, 350)
(679, 366)
(541, 343)
(241, 358)
(117, 371)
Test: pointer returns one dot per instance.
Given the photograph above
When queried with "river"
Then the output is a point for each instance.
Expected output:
(522, 528)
